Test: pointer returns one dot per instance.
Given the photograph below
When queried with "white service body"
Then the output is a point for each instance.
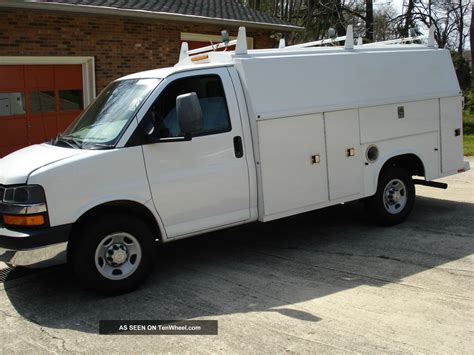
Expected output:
(306, 118)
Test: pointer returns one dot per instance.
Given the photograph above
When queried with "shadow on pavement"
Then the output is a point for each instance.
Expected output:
(261, 267)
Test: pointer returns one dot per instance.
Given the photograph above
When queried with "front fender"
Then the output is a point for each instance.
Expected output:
(75, 185)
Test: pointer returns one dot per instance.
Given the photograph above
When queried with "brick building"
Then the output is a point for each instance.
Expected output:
(56, 55)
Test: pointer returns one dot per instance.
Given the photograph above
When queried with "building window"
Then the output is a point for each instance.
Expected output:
(12, 103)
(70, 100)
(42, 101)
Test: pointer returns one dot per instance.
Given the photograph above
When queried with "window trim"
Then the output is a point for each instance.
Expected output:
(209, 133)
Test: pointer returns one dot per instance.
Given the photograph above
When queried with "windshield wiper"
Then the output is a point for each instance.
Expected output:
(68, 140)
(100, 146)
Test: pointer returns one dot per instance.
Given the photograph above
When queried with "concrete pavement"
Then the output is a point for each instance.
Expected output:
(326, 281)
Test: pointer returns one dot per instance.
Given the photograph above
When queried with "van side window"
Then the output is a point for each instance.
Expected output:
(211, 96)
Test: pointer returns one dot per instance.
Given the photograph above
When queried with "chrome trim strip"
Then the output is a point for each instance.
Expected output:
(49, 255)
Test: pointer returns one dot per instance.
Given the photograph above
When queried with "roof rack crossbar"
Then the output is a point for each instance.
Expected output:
(212, 47)
(317, 43)
(241, 44)
(396, 41)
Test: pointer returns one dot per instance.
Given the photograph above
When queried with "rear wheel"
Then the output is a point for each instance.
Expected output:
(114, 254)
(394, 199)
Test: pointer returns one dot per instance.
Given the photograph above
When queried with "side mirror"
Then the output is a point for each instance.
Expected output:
(189, 113)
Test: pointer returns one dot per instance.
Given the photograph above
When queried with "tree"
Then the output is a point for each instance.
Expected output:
(460, 15)
(450, 18)
(407, 19)
(472, 33)
(463, 72)
(447, 16)
(369, 20)
(384, 27)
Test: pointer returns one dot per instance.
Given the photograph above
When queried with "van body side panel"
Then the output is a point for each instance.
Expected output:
(451, 134)
(378, 123)
(421, 145)
(402, 128)
(293, 163)
(243, 106)
(332, 79)
(252, 121)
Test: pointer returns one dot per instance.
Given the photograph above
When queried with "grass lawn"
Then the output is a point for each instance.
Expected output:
(468, 131)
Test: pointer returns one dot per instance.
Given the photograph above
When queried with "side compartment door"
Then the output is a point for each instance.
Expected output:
(451, 134)
(203, 183)
(345, 158)
(292, 164)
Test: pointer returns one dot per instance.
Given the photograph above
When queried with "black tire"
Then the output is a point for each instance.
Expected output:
(379, 207)
(85, 245)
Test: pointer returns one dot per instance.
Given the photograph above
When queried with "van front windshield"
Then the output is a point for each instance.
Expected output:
(103, 122)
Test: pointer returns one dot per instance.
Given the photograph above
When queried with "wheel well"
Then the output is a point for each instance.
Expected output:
(124, 206)
(410, 162)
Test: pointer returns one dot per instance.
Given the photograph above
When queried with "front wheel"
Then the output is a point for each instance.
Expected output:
(394, 199)
(114, 254)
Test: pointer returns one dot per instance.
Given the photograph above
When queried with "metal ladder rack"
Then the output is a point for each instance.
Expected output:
(241, 43)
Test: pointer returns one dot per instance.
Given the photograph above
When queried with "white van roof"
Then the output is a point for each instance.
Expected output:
(301, 80)
(309, 81)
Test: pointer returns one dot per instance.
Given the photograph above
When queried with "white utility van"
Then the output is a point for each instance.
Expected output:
(226, 138)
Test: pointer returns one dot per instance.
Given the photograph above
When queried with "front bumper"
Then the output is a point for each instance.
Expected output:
(34, 248)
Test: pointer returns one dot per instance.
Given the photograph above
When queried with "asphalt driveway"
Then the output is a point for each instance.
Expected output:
(325, 281)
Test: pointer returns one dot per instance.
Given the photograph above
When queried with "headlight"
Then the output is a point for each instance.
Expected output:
(23, 206)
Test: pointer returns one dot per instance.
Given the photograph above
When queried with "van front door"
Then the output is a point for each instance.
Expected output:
(203, 183)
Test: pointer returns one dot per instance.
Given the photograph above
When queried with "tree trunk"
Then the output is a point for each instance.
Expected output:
(369, 23)
(257, 5)
(340, 26)
(408, 18)
(471, 29)
(461, 29)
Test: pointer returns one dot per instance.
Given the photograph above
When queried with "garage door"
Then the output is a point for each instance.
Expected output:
(37, 102)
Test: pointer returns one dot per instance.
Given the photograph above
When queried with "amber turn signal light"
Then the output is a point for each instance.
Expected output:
(25, 221)
(199, 57)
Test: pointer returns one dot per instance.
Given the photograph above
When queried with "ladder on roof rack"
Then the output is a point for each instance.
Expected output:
(397, 41)
(240, 46)
(212, 47)
(317, 43)
(241, 43)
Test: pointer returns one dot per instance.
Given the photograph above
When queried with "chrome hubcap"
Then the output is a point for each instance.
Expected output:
(395, 196)
(118, 256)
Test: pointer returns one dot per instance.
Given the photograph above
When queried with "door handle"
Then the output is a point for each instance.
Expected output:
(238, 147)
(315, 159)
